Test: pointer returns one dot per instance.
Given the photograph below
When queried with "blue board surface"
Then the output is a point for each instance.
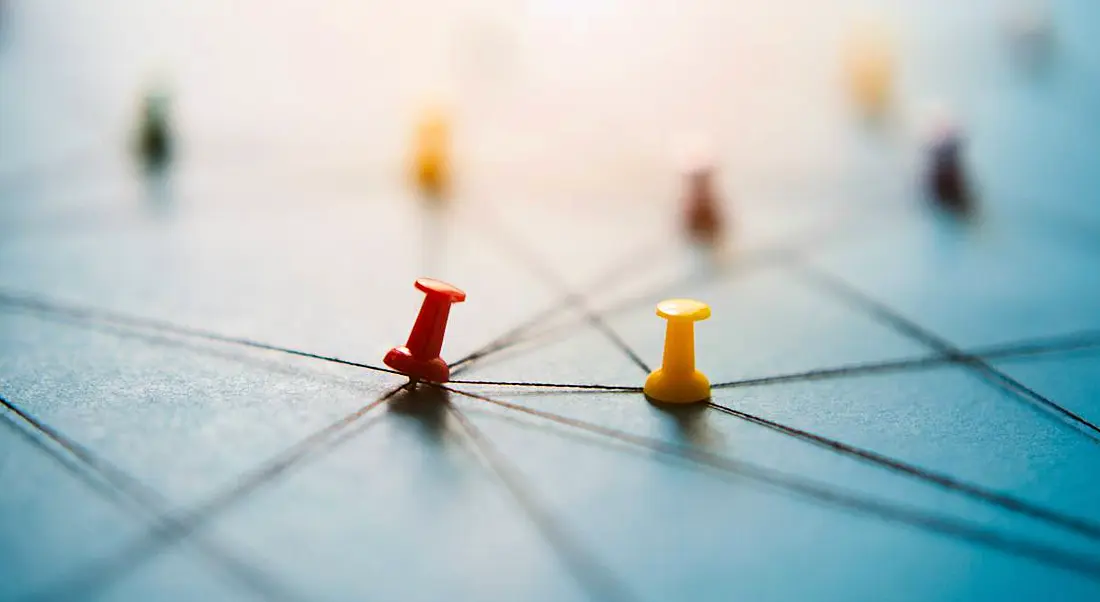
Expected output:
(904, 405)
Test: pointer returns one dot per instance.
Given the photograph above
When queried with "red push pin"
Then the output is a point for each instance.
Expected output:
(419, 358)
(704, 222)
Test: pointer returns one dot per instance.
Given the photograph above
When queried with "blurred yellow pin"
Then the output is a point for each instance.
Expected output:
(677, 380)
(870, 66)
(431, 153)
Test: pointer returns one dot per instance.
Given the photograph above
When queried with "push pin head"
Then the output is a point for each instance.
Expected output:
(440, 289)
(419, 357)
(688, 310)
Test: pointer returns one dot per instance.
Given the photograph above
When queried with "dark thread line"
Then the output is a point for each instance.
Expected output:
(117, 330)
(1048, 555)
(510, 336)
(756, 259)
(542, 385)
(113, 319)
(516, 344)
(87, 313)
(1024, 348)
(513, 248)
(618, 341)
(112, 474)
(122, 489)
(503, 341)
(98, 575)
(1083, 340)
(69, 465)
(1002, 500)
(589, 572)
(194, 346)
(911, 329)
(825, 373)
(1070, 342)
(763, 257)
(760, 258)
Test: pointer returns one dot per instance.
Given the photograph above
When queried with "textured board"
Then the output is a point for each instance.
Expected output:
(904, 404)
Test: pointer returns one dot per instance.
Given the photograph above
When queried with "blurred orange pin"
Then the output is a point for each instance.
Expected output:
(431, 172)
(869, 67)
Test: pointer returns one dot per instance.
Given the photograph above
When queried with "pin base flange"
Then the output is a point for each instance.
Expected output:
(434, 370)
(667, 388)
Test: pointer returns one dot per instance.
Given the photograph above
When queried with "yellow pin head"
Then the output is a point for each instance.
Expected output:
(869, 66)
(431, 152)
(683, 309)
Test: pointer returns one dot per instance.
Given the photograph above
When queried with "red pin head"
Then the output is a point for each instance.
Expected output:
(432, 286)
(419, 358)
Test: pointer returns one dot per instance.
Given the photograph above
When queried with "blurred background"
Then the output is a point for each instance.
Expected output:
(553, 98)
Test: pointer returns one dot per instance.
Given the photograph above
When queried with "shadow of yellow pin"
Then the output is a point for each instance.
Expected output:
(677, 380)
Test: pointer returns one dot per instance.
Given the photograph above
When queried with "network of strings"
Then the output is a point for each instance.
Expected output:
(170, 527)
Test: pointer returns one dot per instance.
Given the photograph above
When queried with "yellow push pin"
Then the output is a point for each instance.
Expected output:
(430, 153)
(677, 380)
(870, 67)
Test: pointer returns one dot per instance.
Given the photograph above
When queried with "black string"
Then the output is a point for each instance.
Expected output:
(1051, 556)
(112, 474)
(1084, 340)
(121, 488)
(851, 369)
(112, 328)
(1002, 500)
(596, 320)
(514, 334)
(504, 340)
(70, 466)
(88, 313)
(535, 264)
(102, 573)
(542, 385)
(753, 260)
(761, 257)
(596, 578)
(1026, 347)
(911, 329)
(196, 346)
(756, 259)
